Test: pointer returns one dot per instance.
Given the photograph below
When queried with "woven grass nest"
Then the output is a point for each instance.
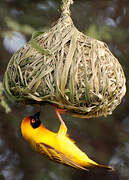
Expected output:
(67, 68)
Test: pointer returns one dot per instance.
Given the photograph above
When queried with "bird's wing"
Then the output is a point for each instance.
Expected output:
(56, 155)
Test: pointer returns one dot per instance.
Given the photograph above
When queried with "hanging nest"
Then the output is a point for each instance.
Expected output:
(67, 68)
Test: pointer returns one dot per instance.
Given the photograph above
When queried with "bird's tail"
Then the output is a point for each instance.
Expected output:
(96, 166)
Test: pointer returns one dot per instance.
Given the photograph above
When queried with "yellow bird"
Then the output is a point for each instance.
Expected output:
(56, 146)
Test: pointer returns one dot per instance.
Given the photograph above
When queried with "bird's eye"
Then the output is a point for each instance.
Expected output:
(32, 121)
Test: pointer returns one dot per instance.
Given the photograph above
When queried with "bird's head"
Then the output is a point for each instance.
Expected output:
(30, 125)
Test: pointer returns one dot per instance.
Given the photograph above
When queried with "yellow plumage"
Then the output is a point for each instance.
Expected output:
(56, 146)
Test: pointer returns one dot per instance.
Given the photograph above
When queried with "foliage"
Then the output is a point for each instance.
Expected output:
(3, 102)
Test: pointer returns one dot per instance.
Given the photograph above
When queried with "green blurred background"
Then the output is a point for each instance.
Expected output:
(105, 140)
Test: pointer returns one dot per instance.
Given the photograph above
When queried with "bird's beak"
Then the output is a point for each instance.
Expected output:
(36, 115)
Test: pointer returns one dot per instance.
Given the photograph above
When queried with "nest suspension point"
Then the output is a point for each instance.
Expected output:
(67, 68)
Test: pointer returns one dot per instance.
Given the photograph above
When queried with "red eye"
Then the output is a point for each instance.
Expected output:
(33, 121)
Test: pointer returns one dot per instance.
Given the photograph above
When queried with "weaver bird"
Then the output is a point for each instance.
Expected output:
(56, 146)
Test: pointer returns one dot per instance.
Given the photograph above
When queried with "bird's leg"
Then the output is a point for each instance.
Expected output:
(63, 128)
